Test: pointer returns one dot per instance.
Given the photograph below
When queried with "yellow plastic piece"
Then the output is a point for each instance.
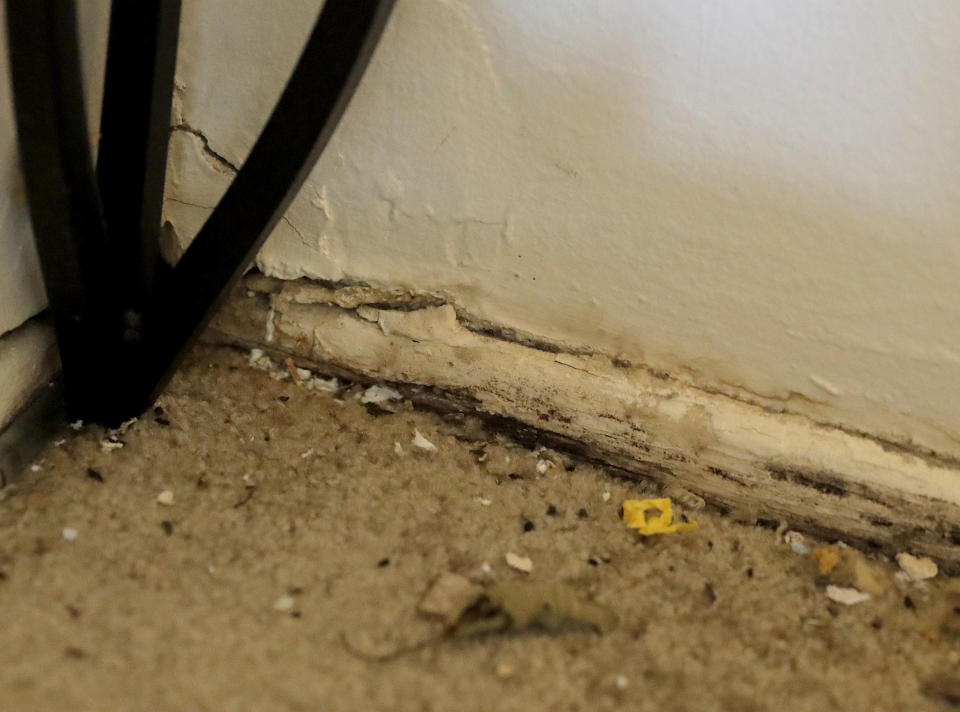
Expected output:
(635, 517)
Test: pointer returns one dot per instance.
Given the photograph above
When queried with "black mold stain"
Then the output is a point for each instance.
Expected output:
(823, 482)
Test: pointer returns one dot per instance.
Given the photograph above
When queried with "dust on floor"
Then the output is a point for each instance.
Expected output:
(262, 544)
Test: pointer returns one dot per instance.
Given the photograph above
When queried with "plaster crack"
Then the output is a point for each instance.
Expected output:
(478, 221)
(192, 205)
(293, 227)
(560, 361)
(223, 163)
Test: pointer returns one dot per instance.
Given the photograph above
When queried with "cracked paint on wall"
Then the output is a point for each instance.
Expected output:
(759, 198)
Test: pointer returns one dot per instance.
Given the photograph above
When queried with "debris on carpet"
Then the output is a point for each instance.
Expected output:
(827, 558)
(379, 394)
(519, 563)
(448, 597)
(845, 595)
(421, 443)
(917, 568)
(555, 607)
(635, 515)
(797, 542)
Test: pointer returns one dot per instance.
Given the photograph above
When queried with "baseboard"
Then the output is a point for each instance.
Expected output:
(28, 433)
(738, 456)
(28, 358)
(30, 397)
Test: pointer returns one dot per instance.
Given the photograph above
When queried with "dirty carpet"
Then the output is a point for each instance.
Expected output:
(267, 539)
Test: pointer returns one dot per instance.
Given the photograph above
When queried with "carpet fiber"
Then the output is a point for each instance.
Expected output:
(259, 543)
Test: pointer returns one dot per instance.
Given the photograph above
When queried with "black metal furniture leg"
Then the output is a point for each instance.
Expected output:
(121, 341)
(64, 204)
(329, 69)
(134, 133)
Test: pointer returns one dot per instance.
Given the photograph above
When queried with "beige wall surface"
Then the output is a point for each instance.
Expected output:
(761, 197)
(21, 286)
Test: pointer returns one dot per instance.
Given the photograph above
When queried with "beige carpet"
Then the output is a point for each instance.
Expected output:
(288, 571)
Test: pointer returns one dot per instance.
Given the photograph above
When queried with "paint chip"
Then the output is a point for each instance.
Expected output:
(165, 498)
(543, 466)
(917, 568)
(484, 501)
(284, 603)
(270, 329)
(110, 444)
(421, 443)
(846, 596)
(605, 496)
(379, 394)
(34, 468)
(397, 448)
(76, 425)
(126, 425)
(70, 534)
(520, 563)
(797, 542)
(324, 385)
(259, 360)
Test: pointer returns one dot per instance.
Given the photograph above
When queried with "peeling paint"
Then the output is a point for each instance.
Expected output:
(609, 179)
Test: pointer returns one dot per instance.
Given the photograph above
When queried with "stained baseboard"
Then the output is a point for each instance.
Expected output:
(30, 396)
(772, 466)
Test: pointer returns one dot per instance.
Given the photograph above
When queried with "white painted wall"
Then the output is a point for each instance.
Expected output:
(21, 290)
(758, 195)
(763, 195)
(27, 354)
(21, 286)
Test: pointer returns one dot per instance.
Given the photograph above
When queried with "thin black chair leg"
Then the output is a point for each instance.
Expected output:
(329, 69)
(115, 358)
(134, 133)
(64, 205)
